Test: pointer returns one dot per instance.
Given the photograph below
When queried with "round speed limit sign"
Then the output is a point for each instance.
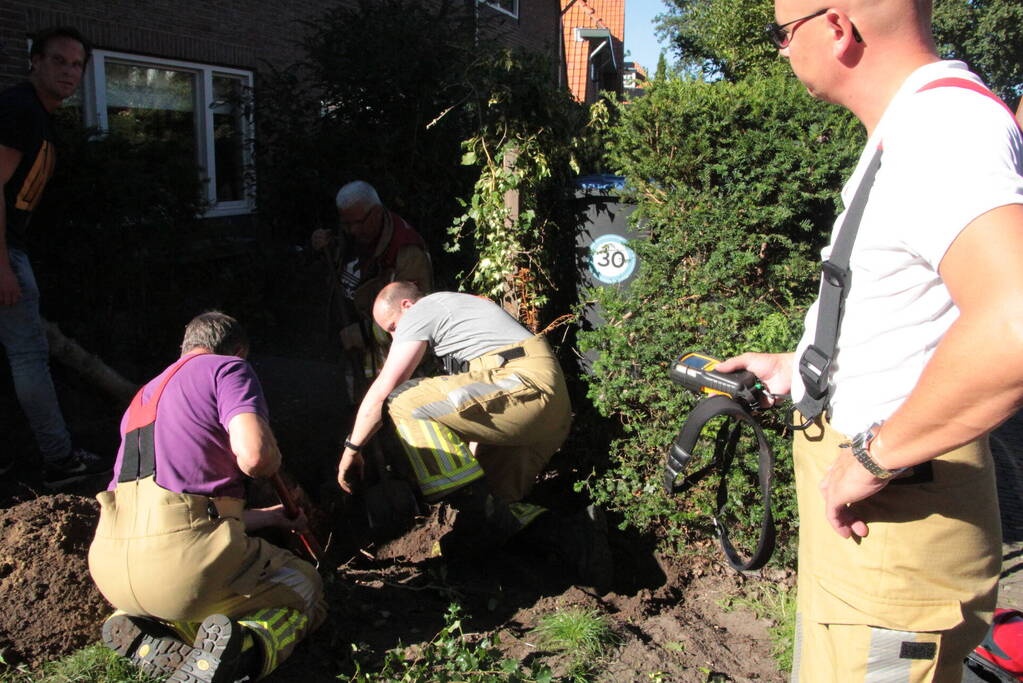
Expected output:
(611, 260)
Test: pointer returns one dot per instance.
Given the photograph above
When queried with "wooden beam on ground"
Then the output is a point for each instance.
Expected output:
(90, 366)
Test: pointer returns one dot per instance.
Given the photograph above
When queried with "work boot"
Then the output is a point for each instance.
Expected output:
(482, 523)
(149, 645)
(579, 542)
(215, 653)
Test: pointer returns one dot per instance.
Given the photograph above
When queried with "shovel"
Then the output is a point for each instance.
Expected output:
(390, 502)
(292, 511)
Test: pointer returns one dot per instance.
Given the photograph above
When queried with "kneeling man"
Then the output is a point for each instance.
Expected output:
(198, 599)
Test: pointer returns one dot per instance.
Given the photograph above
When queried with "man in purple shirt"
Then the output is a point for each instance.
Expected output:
(171, 551)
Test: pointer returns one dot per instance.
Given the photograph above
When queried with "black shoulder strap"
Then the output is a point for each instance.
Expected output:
(815, 363)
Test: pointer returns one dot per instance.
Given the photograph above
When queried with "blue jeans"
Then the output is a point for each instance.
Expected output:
(23, 337)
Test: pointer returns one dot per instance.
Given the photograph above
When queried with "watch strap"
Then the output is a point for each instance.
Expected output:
(860, 445)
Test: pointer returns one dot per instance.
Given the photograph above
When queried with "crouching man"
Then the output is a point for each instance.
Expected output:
(198, 599)
(479, 436)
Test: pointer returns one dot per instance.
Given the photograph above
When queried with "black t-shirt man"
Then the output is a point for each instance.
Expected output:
(26, 126)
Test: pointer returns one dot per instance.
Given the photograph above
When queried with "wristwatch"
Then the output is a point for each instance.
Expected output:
(352, 446)
(860, 445)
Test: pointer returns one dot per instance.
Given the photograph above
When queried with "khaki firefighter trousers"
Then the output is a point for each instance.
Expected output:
(179, 558)
(910, 600)
(517, 410)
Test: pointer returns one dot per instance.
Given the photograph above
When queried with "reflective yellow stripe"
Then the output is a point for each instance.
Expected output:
(443, 485)
(440, 459)
(419, 467)
(442, 446)
(525, 513)
(278, 629)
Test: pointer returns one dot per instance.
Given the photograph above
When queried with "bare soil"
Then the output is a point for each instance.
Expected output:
(667, 615)
(50, 604)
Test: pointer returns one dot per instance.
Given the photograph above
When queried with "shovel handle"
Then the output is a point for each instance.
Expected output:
(292, 511)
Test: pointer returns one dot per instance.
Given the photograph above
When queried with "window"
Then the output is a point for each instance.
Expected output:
(507, 6)
(198, 106)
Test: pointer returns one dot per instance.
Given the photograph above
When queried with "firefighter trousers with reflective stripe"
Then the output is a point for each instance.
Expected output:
(516, 410)
(163, 555)
(910, 600)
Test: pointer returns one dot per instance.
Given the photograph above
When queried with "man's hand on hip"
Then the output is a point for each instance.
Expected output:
(847, 482)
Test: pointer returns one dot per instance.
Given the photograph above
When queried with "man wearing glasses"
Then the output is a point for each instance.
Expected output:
(381, 248)
(899, 549)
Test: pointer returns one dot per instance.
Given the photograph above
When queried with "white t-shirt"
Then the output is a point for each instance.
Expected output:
(950, 155)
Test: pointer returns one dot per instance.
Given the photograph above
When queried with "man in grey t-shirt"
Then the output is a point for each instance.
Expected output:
(483, 433)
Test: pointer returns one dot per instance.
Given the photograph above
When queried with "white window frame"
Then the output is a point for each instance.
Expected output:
(514, 12)
(95, 107)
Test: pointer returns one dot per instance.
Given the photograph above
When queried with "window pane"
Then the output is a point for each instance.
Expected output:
(148, 103)
(228, 154)
(509, 6)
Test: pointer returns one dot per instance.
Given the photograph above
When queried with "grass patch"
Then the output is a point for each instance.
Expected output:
(585, 635)
(775, 602)
(451, 656)
(92, 664)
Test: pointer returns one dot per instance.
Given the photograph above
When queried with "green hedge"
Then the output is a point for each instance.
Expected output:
(737, 186)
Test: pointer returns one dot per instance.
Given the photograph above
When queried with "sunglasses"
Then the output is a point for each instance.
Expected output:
(780, 35)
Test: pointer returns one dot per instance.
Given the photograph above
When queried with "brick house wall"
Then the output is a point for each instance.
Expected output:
(225, 34)
(535, 29)
(232, 33)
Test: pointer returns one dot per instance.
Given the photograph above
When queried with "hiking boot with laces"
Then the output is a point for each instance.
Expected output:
(215, 653)
(578, 543)
(149, 645)
(78, 465)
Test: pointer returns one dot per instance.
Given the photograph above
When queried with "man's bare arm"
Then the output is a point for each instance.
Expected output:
(402, 360)
(254, 445)
(974, 380)
(10, 291)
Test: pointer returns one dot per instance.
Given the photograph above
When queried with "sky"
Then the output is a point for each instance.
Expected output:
(640, 42)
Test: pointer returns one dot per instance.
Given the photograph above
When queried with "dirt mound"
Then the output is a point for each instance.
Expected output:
(51, 606)
(667, 614)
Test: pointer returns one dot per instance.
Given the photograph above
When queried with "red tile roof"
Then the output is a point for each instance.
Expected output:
(608, 14)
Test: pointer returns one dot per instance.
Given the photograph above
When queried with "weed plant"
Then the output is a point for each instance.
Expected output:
(92, 664)
(452, 655)
(585, 635)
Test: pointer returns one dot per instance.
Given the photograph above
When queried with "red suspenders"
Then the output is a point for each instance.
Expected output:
(139, 460)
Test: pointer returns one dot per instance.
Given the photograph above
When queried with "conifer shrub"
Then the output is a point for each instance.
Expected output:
(736, 185)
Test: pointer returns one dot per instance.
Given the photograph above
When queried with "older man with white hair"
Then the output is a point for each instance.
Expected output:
(384, 248)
